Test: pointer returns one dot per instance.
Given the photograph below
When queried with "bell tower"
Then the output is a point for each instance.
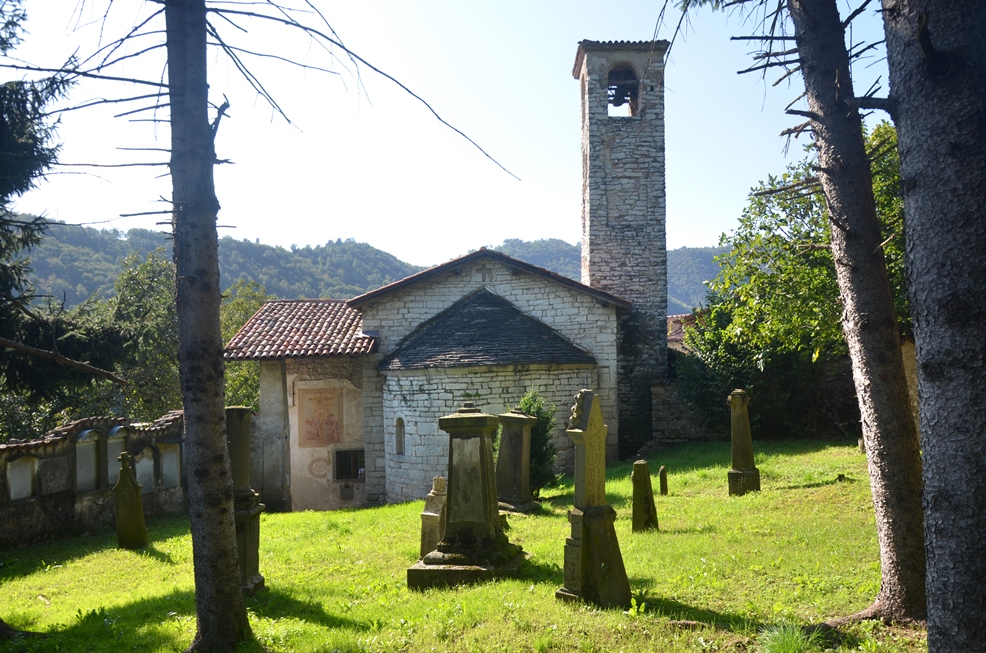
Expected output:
(623, 212)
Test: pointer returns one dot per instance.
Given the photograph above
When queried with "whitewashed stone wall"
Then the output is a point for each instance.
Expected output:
(325, 416)
(578, 316)
(420, 397)
(623, 217)
(269, 437)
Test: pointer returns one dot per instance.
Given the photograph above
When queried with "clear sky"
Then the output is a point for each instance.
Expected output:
(364, 160)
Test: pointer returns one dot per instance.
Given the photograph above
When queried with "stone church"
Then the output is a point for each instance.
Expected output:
(351, 390)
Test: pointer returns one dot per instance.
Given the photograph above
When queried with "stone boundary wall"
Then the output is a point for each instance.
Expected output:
(420, 397)
(676, 420)
(62, 483)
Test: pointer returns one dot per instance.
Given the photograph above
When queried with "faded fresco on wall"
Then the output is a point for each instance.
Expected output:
(319, 417)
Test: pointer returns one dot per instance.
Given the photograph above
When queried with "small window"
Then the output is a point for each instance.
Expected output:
(350, 465)
(399, 436)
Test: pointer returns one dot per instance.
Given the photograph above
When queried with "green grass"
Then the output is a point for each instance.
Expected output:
(801, 551)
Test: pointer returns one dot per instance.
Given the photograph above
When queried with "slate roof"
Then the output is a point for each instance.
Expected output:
(481, 253)
(483, 329)
(291, 328)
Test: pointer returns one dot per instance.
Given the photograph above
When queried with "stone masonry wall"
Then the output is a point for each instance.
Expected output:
(623, 218)
(420, 397)
(579, 317)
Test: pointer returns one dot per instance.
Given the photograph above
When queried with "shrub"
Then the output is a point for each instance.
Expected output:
(543, 452)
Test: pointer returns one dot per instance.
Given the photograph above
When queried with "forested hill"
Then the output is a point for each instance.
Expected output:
(78, 262)
(75, 263)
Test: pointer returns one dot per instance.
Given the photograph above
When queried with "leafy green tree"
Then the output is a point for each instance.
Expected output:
(777, 279)
(240, 302)
(145, 312)
(543, 452)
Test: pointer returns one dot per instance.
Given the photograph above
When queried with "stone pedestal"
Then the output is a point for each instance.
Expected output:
(246, 502)
(474, 547)
(744, 476)
(594, 570)
(513, 463)
(131, 529)
(644, 510)
(433, 517)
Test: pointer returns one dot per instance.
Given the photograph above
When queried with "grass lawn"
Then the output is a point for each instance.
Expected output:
(746, 568)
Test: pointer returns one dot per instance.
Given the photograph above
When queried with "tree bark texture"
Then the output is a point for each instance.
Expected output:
(869, 321)
(220, 609)
(937, 57)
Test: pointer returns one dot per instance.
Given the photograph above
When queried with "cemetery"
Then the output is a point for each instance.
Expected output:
(718, 572)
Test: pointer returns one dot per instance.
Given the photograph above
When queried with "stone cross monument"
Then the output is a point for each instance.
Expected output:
(594, 570)
(623, 212)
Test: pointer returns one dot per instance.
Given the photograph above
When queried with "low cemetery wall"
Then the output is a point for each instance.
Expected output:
(62, 483)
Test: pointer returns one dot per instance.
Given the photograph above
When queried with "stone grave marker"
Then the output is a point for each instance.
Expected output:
(594, 570)
(663, 476)
(131, 529)
(433, 517)
(743, 476)
(246, 502)
(644, 510)
(473, 548)
(513, 463)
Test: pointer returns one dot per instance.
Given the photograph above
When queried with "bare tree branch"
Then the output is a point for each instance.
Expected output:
(61, 360)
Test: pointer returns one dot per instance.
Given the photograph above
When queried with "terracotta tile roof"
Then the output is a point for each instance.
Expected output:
(517, 264)
(483, 329)
(659, 48)
(292, 328)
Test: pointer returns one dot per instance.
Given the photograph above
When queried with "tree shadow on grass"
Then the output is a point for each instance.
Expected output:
(541, 572)
(681, 612)
(691, 456)
(165, 623)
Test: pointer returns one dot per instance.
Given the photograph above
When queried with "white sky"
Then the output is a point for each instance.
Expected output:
(374, 165)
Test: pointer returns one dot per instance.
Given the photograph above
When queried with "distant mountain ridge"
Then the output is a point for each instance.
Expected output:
(74, 263)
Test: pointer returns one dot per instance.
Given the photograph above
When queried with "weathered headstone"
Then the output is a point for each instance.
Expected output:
(473, 548)
(644, 510)
(663, 476)
(246, 502)
(131, 529)
(744, 476)
(594, 570)
(433, 517)
(513, 463)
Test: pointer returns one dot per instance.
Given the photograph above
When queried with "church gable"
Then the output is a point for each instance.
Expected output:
(483, 329)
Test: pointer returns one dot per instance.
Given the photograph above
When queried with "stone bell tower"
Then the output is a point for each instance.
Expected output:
(623, 212)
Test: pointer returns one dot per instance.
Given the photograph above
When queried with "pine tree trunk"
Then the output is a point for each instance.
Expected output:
(869, 321)
(220, 609)
(937, 56)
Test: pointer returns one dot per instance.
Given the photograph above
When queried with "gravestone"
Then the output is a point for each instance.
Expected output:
(594, 570)
(644, 510)
(131, 529)
(743, 476)
(513, 463)
(246, 502)
(663, 476)
(473, 548)
(433, 517)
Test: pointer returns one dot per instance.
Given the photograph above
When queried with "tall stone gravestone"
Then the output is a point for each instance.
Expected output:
(594, 570)
(644, 510)
(473, 548)
(744, 476)
(246, 502)
(513, 463)
(131, 529)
